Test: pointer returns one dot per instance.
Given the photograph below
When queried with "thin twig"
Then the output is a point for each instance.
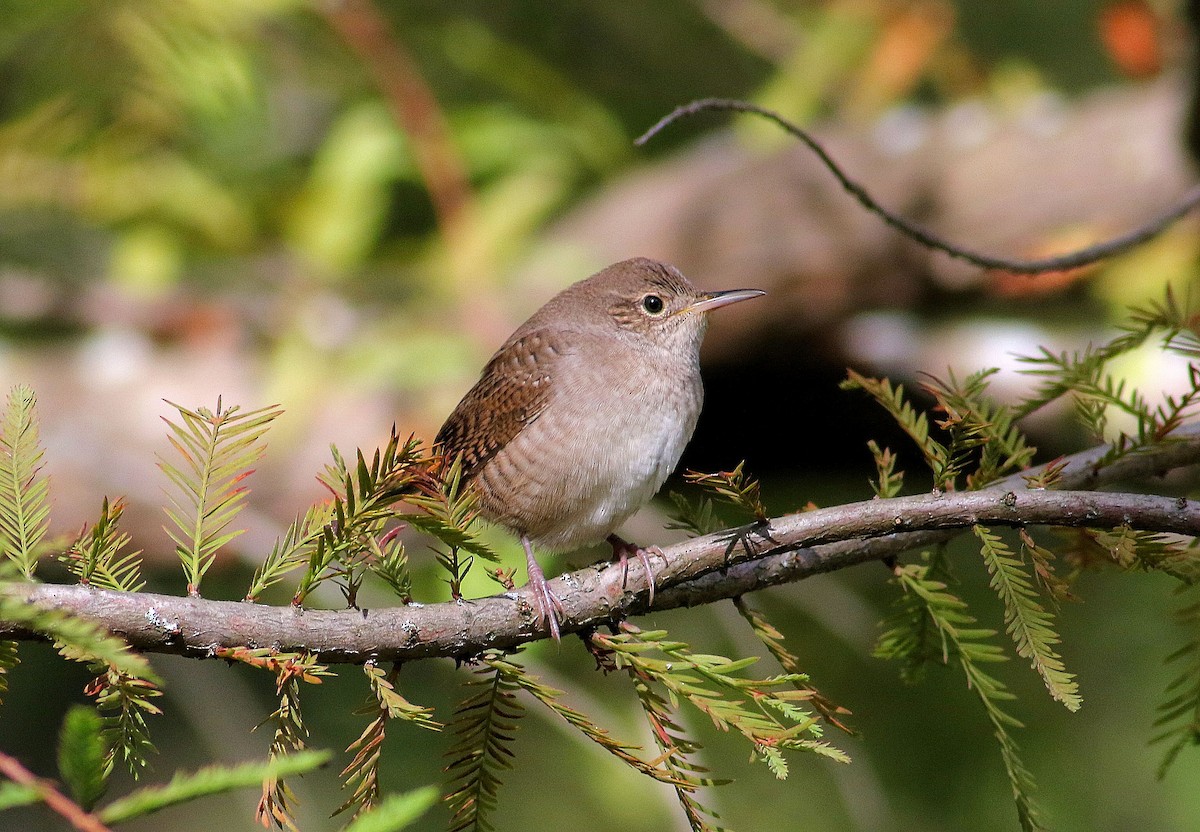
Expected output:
(924, 236)
(68, 809)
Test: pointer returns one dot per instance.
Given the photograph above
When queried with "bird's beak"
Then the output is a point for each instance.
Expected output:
(715, 300)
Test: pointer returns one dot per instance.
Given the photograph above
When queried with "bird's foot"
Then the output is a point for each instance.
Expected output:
(549, 609)
(623, 549)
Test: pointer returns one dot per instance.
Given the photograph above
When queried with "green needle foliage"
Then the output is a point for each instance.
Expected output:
(1029, 623)
(217, 449)
(347, 541)
(678, 751)
(1179, 713)
(549, 697)
(9, 658)
(484, 726)
(81, 756)
(773, 640)
(97, 558)
(916, 424)
(395, 812)
(770, 718)
(24, 507)
(962, 642)
(124, 700)
(292, 550)
(386, 703)
(13, 795)
(208, 781)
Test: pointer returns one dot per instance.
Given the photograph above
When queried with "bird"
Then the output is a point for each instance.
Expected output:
(581, 415)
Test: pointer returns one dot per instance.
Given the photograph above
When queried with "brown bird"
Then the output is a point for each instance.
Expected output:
(583, 413)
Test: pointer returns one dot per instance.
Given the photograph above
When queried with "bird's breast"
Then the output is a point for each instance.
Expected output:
(610, 435)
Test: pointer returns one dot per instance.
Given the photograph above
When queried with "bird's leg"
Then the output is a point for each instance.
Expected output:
(548, 606)
(623, 549)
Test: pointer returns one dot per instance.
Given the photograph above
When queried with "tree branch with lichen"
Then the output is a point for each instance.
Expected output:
(698, 571)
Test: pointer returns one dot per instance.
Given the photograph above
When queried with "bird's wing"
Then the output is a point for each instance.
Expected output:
(511, 393)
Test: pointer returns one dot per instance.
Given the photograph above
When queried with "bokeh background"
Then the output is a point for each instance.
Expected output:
(344, 207)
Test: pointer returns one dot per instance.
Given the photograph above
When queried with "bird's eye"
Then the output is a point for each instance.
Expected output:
(653, 304)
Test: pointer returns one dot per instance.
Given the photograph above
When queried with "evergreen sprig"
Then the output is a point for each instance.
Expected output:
(291, 734)
(696, 518)
(9, 658)
(970, 646)
(1179, 712)
(385, 703)
(97, 555)
(889, 482)
(735, 487)
(549, 697)
(974, 421)
(771, 718)
(484, 726)
(1030, 625)
(677, 753)
(124, 701)
(210, 780)
(447, 513)
(364, 500)
(913, 422)
(218, 448)
(292, 550)
(81, 755)
(1083, 375)
(24, 491)
(1132, 549)
(773, 640)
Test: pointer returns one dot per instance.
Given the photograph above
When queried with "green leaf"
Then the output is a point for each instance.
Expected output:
(81, 755)
(24, 507)
(208, 781)
(395, 812)
(1030, 625)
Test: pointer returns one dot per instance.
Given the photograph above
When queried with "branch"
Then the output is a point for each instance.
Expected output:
(698, 571)
(924, 236)
(70, 811)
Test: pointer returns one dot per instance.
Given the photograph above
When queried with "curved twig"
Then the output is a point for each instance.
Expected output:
(1081, 257)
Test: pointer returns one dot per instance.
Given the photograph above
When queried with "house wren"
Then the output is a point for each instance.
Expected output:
(583, 413)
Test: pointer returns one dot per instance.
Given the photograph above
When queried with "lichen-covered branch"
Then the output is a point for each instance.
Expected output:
(698, 571)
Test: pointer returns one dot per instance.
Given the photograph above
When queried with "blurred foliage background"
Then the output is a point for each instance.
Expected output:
(344, 207)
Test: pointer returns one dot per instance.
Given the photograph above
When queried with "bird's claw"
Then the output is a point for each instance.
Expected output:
(623, 548)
